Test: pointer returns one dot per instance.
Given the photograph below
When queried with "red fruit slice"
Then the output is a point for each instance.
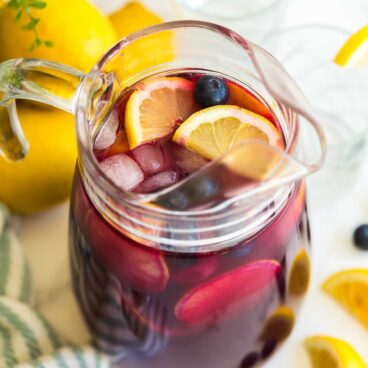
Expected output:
(208, 299)
(201, 271)
(120, 146)
(274, 240)
(241, 97)
(135, 265)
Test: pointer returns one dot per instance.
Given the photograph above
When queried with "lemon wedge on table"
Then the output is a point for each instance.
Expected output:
(350, 289)
(329, 352)
(355, 50)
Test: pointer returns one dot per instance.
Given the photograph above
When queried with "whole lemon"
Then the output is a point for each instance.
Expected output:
(44, 177)
(79, 35)
(79, 32)
(132, 17)
(149, 51)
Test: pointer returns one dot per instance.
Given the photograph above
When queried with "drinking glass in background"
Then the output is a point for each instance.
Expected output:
(338, 94)
(253, 19)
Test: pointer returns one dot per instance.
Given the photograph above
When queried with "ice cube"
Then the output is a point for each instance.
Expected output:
(188, 161)
(159, 181)
(150, 158)
(123, 171)
(107, 134)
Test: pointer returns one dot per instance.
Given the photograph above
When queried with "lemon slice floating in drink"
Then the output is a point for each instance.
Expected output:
(157, 107)
(329, 352)
(215, 130)
(350, 289)
(355, 51)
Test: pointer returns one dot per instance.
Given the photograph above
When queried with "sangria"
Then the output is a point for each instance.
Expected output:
(189, 236)
(152, 306)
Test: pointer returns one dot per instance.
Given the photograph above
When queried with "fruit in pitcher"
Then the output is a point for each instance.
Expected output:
(140, 268)
(207, 299)
(211, 91)
(250, 360)
(213, 131)
(199, 272)
(279, 324)
(241, 97)
(350, 289)
(330, 352)
(157, 107)
(173, 297)
(299, 274)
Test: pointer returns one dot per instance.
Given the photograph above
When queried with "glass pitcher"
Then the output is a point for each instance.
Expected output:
(210, 271)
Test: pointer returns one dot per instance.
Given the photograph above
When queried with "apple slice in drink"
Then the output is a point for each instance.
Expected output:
(141, 268)
(200, 271)
(243, 283)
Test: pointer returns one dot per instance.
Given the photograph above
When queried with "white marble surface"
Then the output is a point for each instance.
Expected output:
(44, 236)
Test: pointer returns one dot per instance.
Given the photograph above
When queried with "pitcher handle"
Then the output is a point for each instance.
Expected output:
(36, 80)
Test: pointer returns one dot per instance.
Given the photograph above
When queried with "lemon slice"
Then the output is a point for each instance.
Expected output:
(329, 352)
(213, 131)
(355, 50)
(156, 108)
(299, 274)
(350, 289)
(279, 324)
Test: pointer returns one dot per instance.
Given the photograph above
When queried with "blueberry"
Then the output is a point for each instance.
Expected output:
(361, 237)
(242, 250)
(268, 348)
(211, 91)
(250, 360)
(175, 200)
(204, 187)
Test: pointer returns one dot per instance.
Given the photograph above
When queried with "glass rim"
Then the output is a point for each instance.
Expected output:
(81, 102)
(306, 26)
(256, 14)
(331, 28)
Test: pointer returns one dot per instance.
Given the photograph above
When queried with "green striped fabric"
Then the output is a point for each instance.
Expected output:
(26, 338)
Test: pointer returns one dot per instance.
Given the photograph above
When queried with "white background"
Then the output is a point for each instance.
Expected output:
(45, 235)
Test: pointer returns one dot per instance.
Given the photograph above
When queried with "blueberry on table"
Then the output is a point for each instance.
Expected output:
(361, 237)
(211, 91)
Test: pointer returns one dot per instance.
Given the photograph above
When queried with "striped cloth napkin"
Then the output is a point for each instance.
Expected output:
(26, 338)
